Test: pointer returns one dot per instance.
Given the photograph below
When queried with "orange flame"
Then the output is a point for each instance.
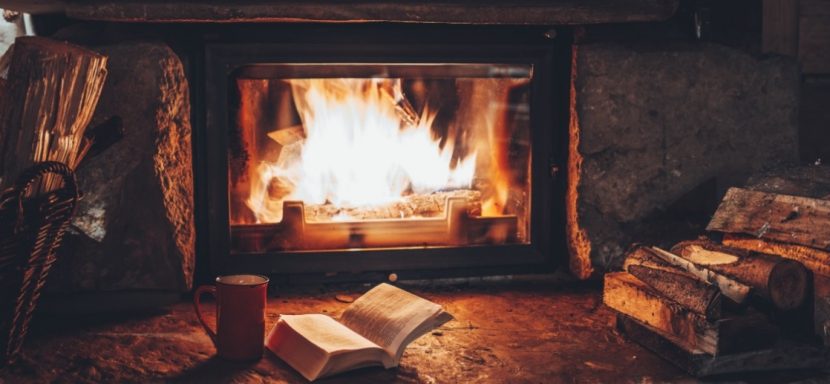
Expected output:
(360, 148)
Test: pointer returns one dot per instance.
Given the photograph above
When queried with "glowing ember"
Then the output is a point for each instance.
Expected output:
(363, 146)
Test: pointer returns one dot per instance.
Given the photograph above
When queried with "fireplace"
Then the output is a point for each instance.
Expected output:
(408, 151)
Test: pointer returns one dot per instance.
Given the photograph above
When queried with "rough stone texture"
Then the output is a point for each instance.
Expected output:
(806, 180)
(657, 121)
(134, 226)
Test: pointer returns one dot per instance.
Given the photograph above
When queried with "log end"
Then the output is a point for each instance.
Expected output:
(788, 284)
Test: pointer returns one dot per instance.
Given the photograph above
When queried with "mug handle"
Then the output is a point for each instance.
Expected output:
(197, 297)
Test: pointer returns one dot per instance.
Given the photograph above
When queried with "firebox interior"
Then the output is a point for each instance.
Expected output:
(419, 151)
(344, 155)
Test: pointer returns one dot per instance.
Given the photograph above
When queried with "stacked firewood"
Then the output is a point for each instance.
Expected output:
(713, 306)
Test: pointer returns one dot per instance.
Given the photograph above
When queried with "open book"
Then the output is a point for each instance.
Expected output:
(374, 330)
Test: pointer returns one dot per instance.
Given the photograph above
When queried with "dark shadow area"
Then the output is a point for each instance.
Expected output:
(49, 325)
(217, 370)
(772, 377)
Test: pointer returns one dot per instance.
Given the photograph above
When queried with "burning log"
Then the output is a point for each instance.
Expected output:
(412, 206)
(288, 136)
(51, 93)
(393, 91)
(782, 282)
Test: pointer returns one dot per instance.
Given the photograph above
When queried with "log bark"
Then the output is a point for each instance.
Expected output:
(52, 90)
(788, 219)
(640, 255)
(731, 288)
(692, 332)
(815, 260)
(674, 282)
(691, 293)
(626, 294)
(782, 282)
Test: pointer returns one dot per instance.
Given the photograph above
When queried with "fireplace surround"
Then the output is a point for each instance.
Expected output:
(562, 133)
(654, 116)
(457, 58)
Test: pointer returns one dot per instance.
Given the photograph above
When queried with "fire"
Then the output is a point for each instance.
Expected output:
(361, 144)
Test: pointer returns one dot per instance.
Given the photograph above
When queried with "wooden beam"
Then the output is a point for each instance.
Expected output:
(526, 12)
(34, 6)
(788, 219)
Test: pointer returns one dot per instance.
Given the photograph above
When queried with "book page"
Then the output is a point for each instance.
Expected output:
(327, 333)
(388, 316)
(317, 346)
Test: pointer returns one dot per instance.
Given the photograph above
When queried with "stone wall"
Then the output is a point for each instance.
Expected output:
(658, 120)
(134, 227)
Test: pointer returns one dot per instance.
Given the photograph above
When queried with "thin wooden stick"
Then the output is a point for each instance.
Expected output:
(52, 92)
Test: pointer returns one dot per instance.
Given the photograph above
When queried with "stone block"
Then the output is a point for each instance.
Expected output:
(659, 119)
(134, 227)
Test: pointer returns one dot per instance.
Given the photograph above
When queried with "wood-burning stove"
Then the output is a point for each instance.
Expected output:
(379, 148)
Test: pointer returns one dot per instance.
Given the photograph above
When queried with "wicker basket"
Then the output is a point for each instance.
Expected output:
(31, 230)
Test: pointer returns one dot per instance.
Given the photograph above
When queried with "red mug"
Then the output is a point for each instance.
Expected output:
(240, 315)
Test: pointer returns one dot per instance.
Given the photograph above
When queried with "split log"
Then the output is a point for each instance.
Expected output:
(646, 257)
(52, 90)
(673, 282)
(814, 259)
(628, 295)
(731, 288)
(788, 219)
(781, 281)
(691, 293)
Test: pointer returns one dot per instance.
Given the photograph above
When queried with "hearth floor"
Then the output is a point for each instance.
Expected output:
(537, 332)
